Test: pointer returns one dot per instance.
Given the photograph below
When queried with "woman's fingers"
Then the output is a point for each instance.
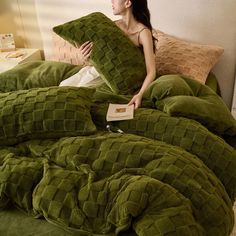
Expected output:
(86, 51)
(136, 101)
(89, 53)
(86, 48)
(85, 43)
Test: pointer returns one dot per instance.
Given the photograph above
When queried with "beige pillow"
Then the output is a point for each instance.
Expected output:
(63, 51)
(176, 56)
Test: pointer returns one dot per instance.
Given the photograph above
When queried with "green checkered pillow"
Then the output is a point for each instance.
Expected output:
(120, 63)
(51, 112)
(36, 74)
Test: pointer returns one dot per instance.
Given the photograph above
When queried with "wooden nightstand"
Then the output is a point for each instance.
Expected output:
(28, 54)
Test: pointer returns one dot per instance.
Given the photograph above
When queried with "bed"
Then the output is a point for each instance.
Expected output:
(65, 170)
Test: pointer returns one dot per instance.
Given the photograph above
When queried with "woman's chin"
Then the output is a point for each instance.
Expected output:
(115, 13)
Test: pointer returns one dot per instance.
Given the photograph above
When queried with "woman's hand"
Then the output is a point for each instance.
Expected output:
(136, 100)
(85, 51)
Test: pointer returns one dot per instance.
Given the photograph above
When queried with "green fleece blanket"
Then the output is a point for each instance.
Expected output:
(165, 174)
(181, 96)
(107, 182)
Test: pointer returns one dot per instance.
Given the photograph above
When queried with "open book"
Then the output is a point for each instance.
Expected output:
(117, 112)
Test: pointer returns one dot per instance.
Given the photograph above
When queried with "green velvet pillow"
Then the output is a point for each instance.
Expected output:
(212, 83)
(209, 111)
(35, 74)
(120, 63)
(51, 112)
(184, 97)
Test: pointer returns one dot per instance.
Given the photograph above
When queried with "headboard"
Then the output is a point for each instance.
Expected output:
(200, 21)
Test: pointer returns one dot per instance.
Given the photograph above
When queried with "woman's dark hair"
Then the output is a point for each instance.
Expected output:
(142, 14)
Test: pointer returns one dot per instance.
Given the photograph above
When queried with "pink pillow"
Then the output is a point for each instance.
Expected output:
(63, 51)
(176, 56)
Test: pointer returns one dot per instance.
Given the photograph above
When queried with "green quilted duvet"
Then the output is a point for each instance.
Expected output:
(166, 174)
(107, 182)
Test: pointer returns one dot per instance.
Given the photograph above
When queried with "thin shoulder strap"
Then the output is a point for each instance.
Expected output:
(140, 32)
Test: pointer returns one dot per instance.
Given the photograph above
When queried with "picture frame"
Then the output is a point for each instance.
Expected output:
(7, 42)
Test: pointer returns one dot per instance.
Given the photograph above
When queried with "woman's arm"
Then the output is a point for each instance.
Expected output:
(146, 41)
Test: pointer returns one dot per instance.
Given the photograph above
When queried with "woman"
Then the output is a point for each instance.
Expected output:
(135, 23)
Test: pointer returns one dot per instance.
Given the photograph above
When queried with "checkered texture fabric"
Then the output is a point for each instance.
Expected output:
(63, 51)
(56, 196)
(182, 96)
(51, 112)
(18, 178)
(185, 133)
(36, 74)
(164, 175)
(177, 56)
(104, 182)
(120, 63)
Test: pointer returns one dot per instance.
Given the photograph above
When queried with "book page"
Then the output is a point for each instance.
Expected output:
(117, 112)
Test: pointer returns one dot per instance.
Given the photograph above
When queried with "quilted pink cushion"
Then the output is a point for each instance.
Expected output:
(63, 51)
(176, 56)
